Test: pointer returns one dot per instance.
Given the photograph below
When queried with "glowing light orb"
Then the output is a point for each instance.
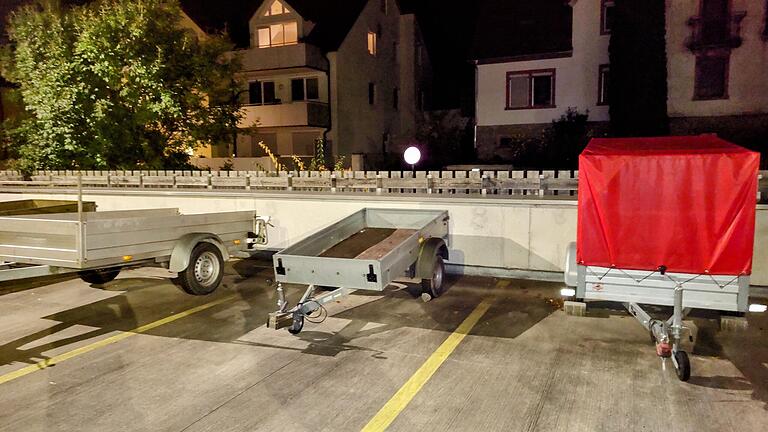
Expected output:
(412, 155)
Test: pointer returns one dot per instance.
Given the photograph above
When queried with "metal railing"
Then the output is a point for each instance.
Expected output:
(510, 183)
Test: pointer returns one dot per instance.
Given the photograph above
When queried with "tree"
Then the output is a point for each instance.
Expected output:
(638, 81)
(116, 84)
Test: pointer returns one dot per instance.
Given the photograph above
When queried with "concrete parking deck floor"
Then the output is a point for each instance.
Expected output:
(525, 365)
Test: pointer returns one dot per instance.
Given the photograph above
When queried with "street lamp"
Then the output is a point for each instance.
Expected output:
(412, 156)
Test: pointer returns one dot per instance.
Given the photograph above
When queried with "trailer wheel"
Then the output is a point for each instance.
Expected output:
(434, 285)
(100, 276)
(683, 365)
(204, 272)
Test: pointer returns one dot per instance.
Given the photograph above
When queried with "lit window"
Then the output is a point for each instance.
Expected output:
(278, 34)
(372, 43)
(606, 16)
(264, 37)
(531, 89)
(602, 85)
(711, 77)
(277, 8)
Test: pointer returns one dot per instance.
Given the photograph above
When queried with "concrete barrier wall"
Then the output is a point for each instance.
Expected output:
(514, 237)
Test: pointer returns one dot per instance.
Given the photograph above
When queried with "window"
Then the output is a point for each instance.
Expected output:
(371, 93)
(304, 89)
(602, 85)
(254, 92)
(313, 88)
(262, 93)
(711, 77)
(297, 89)
(277, 8)
(531, 89)
(606, 16)
(395, 98)
(371, 43)
(278, 34)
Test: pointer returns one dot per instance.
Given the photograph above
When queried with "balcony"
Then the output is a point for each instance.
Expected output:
(315, 114)
(712, 33)
(288, 56)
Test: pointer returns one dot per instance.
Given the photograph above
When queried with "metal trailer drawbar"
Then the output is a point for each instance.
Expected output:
(367, 250)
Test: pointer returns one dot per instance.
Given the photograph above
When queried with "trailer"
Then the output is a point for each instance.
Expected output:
(665, 221)
(367, 250)
(98, 245)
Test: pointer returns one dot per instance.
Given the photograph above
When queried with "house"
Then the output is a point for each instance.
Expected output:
(352, 72)
(533, 62)
(717, 67)
(530, 70)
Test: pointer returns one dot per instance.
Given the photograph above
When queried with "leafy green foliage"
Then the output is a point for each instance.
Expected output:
(116, 84)
(558, 146)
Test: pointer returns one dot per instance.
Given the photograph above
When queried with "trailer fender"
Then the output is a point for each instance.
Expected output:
(183, 248)
(425, 263)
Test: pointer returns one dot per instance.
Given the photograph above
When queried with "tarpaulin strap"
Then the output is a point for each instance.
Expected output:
(637, 280)
(723, 286)
(598, 276)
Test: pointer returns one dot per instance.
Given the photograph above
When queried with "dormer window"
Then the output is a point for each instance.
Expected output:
(277, 8)
(278, 34)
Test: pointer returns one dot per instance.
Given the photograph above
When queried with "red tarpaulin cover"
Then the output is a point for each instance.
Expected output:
(687, 203)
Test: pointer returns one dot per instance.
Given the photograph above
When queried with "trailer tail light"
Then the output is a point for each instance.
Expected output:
(567, 292)
(758, 308)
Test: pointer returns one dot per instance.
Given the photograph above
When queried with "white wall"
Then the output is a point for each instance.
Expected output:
(576, 81)
(503, 234)
(747, 73)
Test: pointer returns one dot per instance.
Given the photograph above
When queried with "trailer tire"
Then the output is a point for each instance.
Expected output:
(683, 369)
(100, 276)
(434, 285)
(204, 272)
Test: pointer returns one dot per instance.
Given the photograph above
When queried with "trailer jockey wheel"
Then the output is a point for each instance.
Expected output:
(683, 367)
(434, 285)
(298, 323)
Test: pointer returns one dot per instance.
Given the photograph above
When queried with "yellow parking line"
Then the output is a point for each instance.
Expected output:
(408, 391)
(108, 341)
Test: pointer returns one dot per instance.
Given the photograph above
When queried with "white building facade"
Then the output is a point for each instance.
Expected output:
(717, 75)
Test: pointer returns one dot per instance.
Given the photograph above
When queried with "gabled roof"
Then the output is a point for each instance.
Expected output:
(509, 29)
(333, 18)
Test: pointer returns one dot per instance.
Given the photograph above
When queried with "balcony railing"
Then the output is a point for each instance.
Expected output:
(287, 56)
(309, 113)
(720, 32)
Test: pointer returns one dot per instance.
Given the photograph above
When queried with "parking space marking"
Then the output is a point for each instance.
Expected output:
(389, 412)
(108, 341)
